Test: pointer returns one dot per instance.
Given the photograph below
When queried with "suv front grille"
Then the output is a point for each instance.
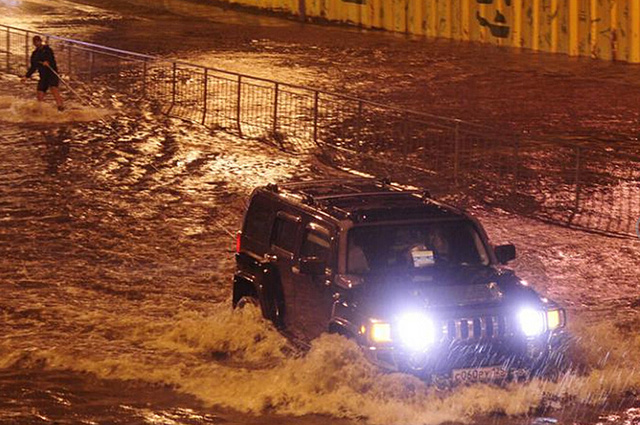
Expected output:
(475, 328)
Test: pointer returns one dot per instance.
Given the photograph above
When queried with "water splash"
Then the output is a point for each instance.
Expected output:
(237, 360)
(19, 110)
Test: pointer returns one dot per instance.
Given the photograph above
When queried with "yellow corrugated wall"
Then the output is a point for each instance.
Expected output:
(604, 29)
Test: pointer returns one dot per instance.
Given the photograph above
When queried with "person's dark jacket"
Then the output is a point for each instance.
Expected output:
(38, 57)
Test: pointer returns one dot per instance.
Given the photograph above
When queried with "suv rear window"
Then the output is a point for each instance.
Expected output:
(284, 234)
(258, 219)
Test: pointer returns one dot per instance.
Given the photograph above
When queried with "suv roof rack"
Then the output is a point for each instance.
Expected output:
(326, 182)
(345, 196)
(344, 188)
(425, 194)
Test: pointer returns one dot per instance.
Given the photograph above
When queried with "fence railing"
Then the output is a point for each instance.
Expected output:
(576, 185)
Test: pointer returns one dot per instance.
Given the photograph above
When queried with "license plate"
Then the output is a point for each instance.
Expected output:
(479, 374)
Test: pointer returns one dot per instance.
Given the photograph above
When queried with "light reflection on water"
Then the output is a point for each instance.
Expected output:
(503, 88)
(116, 261)
(120, 266)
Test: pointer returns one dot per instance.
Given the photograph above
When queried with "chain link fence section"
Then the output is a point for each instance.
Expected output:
(587, 188)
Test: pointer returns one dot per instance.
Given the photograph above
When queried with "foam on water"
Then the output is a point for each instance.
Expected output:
(18, 110)
(140, 306)
(241, 336)
(237, 360)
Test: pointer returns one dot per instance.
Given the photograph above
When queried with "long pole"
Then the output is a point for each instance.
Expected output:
(81, 97)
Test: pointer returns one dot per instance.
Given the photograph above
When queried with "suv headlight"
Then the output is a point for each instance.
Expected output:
(531, 322)
(535, 322)
(416, 331)
(413, 331)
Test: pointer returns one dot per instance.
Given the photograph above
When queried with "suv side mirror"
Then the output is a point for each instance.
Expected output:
(312, 265)
(505, 253)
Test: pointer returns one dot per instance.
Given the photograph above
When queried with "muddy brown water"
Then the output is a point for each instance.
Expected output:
(574, 99)
(115, 252)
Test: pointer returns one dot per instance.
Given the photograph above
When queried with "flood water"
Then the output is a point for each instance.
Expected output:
(542, 95)
(116, 245)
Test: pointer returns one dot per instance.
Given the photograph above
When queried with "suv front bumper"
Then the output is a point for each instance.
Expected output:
(511, 354)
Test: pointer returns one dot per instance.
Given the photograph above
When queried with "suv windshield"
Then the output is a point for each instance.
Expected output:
(413, 247)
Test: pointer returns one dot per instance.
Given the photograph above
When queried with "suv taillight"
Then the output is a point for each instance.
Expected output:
(238, 241)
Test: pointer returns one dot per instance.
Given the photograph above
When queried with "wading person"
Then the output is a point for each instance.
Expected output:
(43, 61)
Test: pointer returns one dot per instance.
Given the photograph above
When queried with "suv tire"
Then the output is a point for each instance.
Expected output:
(246, 300)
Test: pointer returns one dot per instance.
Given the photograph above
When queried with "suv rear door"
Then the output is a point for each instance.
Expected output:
(314, 295)
(284, 244)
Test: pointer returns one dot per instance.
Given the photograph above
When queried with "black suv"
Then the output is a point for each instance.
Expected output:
(414, 281)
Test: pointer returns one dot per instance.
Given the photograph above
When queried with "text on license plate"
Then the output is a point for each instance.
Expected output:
(479, 374)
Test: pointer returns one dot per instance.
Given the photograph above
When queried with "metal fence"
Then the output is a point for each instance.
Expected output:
(576, 185)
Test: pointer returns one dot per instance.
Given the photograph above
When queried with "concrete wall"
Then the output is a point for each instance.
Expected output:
(605, 29)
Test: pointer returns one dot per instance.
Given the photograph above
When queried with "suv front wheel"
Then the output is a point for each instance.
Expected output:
(247, 300)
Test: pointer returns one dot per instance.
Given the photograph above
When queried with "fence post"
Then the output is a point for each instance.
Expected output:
(205, 97)
(91, 65)
(239, 105)
(576, 205)
(456, 153)
(173, 83)
(516, 160)
(8, 50)
(144, 78)
(359, 123)
(498, 153)
(405, 137)
(26, 50)
(275, 109)
(174, 67)
(70, 47)
(315, 116)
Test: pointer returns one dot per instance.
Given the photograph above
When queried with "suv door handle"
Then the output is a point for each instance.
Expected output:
(270, 258)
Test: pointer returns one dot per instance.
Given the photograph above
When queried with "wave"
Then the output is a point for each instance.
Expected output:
(235, 359)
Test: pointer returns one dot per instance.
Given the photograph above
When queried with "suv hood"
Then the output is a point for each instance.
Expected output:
(439, 288)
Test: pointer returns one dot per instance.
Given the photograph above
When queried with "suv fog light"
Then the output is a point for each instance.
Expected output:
(531, 322)
(380, 332)
(416, 331)
(554, 319)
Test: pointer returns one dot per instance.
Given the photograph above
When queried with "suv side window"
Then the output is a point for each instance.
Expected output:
(316, 244)
(258, 216)
(284, 232)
